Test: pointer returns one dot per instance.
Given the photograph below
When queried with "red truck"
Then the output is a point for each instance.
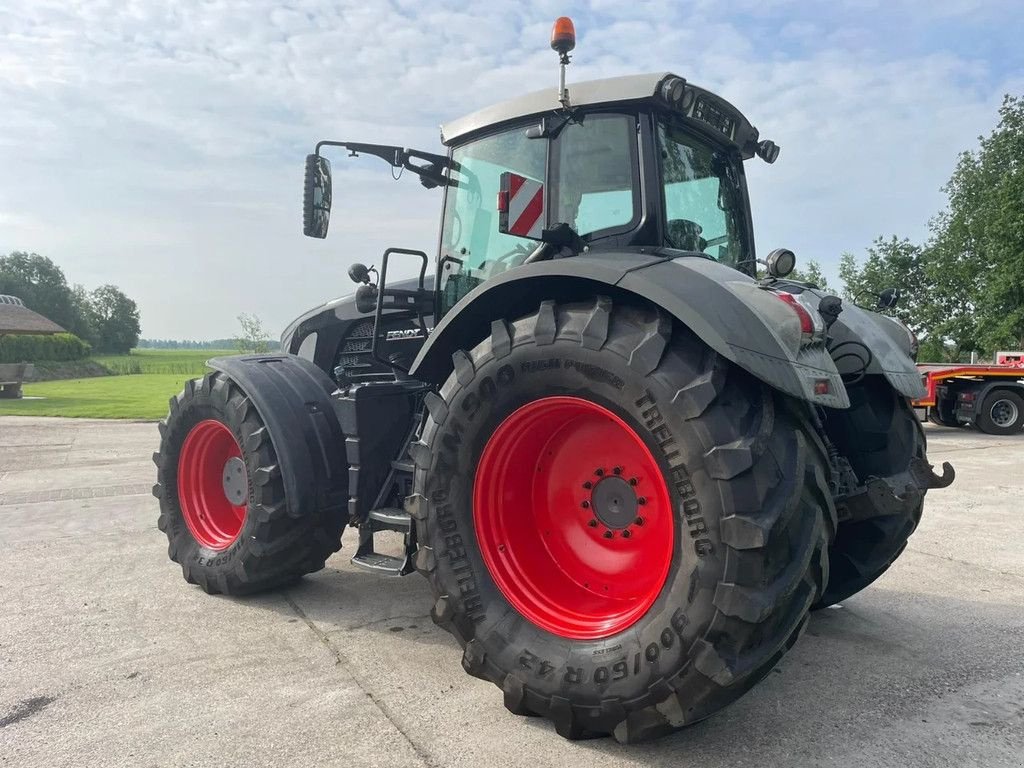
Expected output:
(989, 397)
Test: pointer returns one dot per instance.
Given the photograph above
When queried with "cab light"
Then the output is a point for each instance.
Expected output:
(563, 35)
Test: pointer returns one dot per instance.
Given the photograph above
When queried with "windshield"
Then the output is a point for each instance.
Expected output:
(702, 196)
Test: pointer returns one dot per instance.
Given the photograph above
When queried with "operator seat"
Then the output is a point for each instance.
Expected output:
(685, 235)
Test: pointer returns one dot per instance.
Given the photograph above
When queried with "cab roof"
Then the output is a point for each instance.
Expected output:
(610, 91)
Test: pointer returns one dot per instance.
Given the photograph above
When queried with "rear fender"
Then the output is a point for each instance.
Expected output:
(888, 342)
(722, 306)
(294, 400)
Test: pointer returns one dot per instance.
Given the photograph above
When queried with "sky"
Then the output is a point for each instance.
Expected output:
(159, 146)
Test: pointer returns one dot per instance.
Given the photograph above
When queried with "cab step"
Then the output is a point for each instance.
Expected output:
(390, 519)
(403, 465)
(383, 565)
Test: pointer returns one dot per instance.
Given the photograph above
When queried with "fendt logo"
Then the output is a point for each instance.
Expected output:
(405, 333)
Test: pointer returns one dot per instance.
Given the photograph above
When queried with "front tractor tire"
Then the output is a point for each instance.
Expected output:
(623, 531)
(223, 505)
(879, 434)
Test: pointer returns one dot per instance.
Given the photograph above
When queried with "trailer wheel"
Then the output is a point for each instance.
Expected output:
(223, 504)
(623, 531)
(879, 435)
(1002, 413)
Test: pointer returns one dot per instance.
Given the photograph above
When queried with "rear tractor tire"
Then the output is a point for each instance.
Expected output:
(223, 504)
(623, 531)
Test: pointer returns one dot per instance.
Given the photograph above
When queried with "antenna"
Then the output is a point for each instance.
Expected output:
(563, 40)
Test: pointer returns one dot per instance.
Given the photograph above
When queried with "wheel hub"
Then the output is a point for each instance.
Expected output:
(213, 486)
(614, 503)
(236, 481)
(563, 490)
(1003, 413)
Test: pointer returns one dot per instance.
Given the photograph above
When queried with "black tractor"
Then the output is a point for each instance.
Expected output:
(629, 457)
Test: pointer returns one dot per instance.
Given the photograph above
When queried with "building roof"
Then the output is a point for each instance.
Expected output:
(611, 90)
(15, 317)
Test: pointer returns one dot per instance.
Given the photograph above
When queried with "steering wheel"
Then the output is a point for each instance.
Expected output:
(521, 249)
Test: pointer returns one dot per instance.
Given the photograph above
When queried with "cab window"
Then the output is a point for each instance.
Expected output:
(597, 174)
(702, 197)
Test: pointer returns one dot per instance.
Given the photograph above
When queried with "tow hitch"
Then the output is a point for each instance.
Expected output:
(894, 495)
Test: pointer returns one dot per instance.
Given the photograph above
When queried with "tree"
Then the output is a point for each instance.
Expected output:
(42, 286)
(893, 263)
(254, 337)
(977, 246)
(811, 274)
(115, 320)
(82, 311)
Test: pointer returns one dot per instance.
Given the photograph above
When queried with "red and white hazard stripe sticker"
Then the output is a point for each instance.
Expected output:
(521, 204)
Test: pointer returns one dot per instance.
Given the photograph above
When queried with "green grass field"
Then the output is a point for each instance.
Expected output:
(143, 383)
(144, 361)
(103, 397)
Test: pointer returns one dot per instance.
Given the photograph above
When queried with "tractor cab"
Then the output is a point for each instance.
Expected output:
(637, 162)
(642, 161)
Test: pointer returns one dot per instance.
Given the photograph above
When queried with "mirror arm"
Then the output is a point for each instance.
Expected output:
(398, 157)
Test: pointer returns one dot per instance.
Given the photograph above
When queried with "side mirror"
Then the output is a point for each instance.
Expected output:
(888, 298)
(316, 197)
(520, 206)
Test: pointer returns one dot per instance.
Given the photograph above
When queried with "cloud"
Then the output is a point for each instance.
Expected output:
(159, 146)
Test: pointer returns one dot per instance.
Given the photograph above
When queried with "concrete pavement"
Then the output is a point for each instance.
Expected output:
(108, 658)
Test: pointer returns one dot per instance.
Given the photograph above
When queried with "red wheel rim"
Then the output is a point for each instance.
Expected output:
(210, 468)
(573, 518)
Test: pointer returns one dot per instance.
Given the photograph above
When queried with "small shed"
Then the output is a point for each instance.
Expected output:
(15, 317)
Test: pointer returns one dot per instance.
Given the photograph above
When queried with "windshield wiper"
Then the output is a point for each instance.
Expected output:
(550, 127)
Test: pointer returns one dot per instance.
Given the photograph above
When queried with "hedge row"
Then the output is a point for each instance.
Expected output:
(24, 348)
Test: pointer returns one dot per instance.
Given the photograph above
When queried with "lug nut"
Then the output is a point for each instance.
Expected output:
(608, 534)
(626, 534)
(641, 501)
(639, 521)
(617, 470)
(633, 481)
(592, 523)
(588, 485)
(599, 472)
(586, 505)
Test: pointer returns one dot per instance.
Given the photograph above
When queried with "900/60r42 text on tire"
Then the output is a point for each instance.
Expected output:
(530, 529)
(223, 505)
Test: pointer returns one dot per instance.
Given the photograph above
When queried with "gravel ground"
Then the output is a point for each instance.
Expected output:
(108, 658)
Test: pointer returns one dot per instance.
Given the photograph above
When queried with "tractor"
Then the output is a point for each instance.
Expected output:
(629, 457)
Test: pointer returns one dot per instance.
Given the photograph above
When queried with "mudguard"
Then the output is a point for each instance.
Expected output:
(888, 344)
(727, 309)
(293, 398)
